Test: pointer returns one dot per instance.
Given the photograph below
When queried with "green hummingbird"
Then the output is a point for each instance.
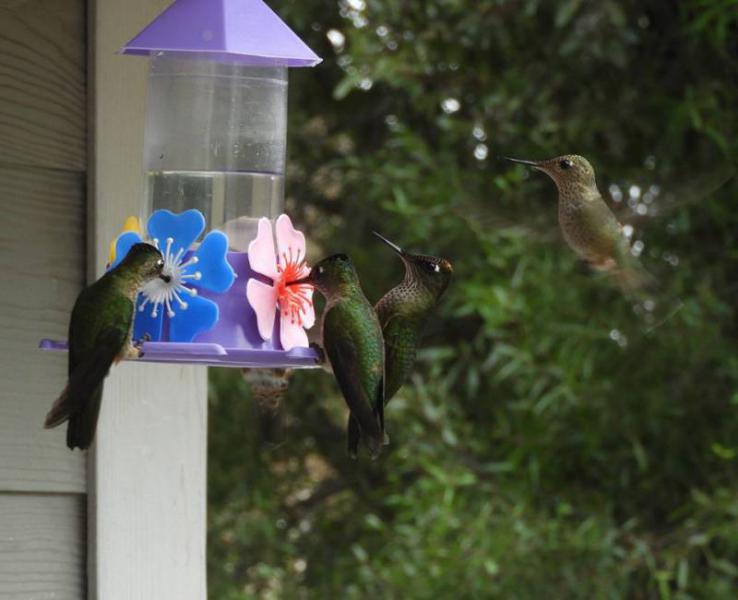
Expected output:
(404, 311)
(100, 335)
(352, 341)
(589, 226)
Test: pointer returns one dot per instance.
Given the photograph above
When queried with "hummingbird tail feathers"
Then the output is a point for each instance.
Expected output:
(353, 436)
(79, 403)
(630, 275)
(80, 407)
(59, 412)
(364, 409)
(634, 279)
(82, 389)
(82, 425)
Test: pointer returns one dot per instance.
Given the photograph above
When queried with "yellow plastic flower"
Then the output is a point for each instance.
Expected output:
(131, 224)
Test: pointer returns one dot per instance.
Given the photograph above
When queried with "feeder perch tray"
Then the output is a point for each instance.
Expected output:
(213, 355)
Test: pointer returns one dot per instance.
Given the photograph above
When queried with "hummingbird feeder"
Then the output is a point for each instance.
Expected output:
(214, 162)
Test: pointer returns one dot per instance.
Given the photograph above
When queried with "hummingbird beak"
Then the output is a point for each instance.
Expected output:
(529, 163)
(165, 278)
(395, 247)
(303, 280)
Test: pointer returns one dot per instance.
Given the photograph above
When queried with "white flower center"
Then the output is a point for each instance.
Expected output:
(158, 292)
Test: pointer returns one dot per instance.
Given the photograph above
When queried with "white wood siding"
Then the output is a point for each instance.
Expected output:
(147, 472)
(42, 208)
(42, 547)
(42, 84)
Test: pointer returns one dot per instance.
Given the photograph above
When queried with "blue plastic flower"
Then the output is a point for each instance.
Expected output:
(176, 303)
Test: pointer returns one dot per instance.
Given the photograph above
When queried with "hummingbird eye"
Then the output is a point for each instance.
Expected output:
(160, 263)
(320, 270)
(566, 164)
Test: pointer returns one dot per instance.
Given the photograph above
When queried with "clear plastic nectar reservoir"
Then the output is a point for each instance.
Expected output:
(215, 140)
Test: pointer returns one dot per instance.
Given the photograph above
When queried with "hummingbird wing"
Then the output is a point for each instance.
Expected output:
(483, 215)
(344, 358)
(676, 195)
(362, 388)
(401, 337)
(79, 403)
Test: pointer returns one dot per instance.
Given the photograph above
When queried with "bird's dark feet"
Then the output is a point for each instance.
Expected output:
(319, 351)
(145, 338)
(138, 344)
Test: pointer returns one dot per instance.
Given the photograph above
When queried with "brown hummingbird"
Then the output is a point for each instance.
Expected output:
(268, 386)
(587, 223)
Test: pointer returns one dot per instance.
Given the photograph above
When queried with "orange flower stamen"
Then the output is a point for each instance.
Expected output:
(293, 299)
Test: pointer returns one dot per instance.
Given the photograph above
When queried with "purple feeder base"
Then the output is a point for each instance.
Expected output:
(236, 326)
(213, 355)
(234, 341)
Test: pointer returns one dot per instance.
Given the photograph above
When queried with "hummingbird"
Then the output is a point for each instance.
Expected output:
(268, 386)
(99, 336)
(589, 226)
(404, 311)
(352, 341)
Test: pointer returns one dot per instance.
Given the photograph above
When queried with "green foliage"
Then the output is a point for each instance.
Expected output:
(555, 440)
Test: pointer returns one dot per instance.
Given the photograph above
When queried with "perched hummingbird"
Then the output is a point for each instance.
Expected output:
(589, 226)
(100, 335)
(405, 309)
(352, 341)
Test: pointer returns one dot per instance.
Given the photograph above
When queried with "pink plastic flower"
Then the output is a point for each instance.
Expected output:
(286, 263)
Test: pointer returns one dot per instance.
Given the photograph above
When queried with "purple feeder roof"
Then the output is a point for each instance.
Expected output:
(246, 31)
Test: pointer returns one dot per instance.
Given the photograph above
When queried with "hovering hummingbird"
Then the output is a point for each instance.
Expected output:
(587, 223)
(352, 341)
(268, 386)
(405, 309)
(100, 335)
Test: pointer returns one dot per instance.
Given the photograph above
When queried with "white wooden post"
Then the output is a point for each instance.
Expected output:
(147, 486)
